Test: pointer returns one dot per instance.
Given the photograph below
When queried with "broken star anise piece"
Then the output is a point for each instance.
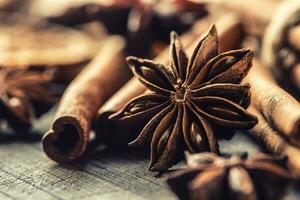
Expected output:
(209, 177)
(23, 94)
(188, 98)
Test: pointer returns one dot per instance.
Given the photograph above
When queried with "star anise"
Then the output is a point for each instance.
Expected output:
(188, 98)
(209, 177)
(24, 94)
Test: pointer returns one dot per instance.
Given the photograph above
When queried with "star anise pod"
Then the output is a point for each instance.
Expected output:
(209, 177)
(24, 94)
(188, 98)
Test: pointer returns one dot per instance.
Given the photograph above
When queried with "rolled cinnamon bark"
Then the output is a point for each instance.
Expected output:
(274, 142)
(69, 135)
(230, 36)
(278, 107)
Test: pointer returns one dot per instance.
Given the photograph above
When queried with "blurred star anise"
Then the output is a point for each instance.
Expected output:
(189, 97)
(24, 94)
(209, 177)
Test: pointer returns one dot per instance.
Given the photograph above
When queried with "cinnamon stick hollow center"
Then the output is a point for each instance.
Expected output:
(69, 135)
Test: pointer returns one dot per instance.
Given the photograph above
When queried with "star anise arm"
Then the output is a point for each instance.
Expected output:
(179, 181)
(162, 134)
(261, 157)
(240, 184)
(237, 72)
(270, 180)
(198, 134)
(194, 135)
(224, 69)
(166, 148)
(146, 134)
(223, 112)
(179, 59)
(30, 84)
(212, 141)
(141, 106)
(200, 159)
(237, 93)
(19, 113)
(153, 75)
(208, 184)
(268, 168)
(220, 66)
(205, 50)
(23, 91)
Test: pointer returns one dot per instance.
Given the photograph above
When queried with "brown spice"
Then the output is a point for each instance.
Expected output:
(69, 135)
(278, 107)
(188, 98)
(134, 88)
(108, 131)
(23, 93)
(274, 142)
(230, 36)
(208, 176)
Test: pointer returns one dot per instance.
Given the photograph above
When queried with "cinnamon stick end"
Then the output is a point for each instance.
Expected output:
(65, 142)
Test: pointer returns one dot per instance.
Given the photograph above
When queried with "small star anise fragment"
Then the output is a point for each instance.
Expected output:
(24, 94)
(188, 98)
(209, 177)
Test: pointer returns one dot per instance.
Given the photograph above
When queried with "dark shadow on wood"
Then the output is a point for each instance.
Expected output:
(14, 137)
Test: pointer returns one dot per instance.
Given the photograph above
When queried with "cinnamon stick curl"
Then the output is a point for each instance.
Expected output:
(70, 132)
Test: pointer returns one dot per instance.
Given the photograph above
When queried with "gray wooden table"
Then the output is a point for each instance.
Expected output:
(26, 172)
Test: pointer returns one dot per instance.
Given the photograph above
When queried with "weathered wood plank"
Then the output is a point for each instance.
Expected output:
(26, 173)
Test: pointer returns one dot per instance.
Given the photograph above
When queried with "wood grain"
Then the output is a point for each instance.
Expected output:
(119, 174)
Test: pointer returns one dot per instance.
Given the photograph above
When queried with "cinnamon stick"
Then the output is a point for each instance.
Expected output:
(274, 142)
(278, 107)
(69, 135)
(230, 37)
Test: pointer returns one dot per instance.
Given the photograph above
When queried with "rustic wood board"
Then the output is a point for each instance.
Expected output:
(26, 172)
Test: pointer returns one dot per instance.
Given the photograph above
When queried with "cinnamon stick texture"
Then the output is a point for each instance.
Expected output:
(274, 142)
(230, 37)
(69, 135)
(278, 107)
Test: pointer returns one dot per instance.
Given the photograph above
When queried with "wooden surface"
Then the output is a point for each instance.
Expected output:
(119, 174)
